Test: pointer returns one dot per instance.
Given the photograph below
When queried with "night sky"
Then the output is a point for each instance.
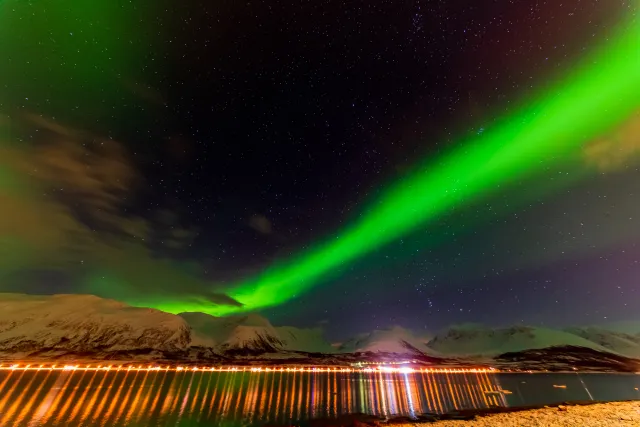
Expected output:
(162, 152)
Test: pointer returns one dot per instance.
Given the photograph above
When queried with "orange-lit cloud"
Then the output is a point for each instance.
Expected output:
(261, 224)
(65, 195)
(618, 149)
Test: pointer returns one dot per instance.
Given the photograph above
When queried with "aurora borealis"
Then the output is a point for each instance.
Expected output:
(169, 162)
(595, 99)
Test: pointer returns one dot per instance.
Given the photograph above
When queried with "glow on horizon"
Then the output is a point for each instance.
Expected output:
(250, 369)
(598, 95)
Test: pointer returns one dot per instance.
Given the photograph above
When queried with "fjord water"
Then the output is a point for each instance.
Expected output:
(188, 398)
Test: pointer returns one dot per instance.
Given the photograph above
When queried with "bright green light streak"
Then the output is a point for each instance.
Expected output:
(591, 101)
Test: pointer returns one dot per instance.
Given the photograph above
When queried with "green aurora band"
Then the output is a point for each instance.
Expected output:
(595, 98)
(598, 96)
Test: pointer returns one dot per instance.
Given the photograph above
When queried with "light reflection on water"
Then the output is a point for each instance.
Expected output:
(159, 398)
(121, 398)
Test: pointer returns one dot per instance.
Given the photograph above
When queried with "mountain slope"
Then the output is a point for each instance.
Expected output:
(73, 327)
(392, 340)
(242, 332)
(472, 340)
(85, 323)
(629, 327)
(299, 339)
(618, 342)
(567, 358)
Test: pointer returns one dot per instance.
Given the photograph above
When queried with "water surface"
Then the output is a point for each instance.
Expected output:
(187, 398)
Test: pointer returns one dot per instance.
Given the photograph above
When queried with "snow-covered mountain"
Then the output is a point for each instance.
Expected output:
(566, 358)
(85, 326)
(474, 340)
(299, 339)
(85, 323)
(244, 332)
(392, 340)
(629, 327)
(253, 332)
(618, 342)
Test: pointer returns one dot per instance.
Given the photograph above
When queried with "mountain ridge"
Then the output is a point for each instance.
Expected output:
(89, 327)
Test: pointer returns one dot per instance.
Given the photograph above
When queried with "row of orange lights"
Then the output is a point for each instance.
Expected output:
(254, 369)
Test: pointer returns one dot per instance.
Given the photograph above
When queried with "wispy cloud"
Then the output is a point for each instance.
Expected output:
(618, 149)
(65, 195)
(261, 224)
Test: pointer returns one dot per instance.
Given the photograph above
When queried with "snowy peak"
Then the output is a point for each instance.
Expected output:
(251, 332)
(254, 333)
(251, 320)
(86, 323)
(258, 338)
(393, 340)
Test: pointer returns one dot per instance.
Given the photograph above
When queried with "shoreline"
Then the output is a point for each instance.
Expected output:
(118, 365)
(574, 413)
(583, 414)
(165, 367)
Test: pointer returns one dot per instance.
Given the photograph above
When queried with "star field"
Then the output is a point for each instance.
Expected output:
(220, 137)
